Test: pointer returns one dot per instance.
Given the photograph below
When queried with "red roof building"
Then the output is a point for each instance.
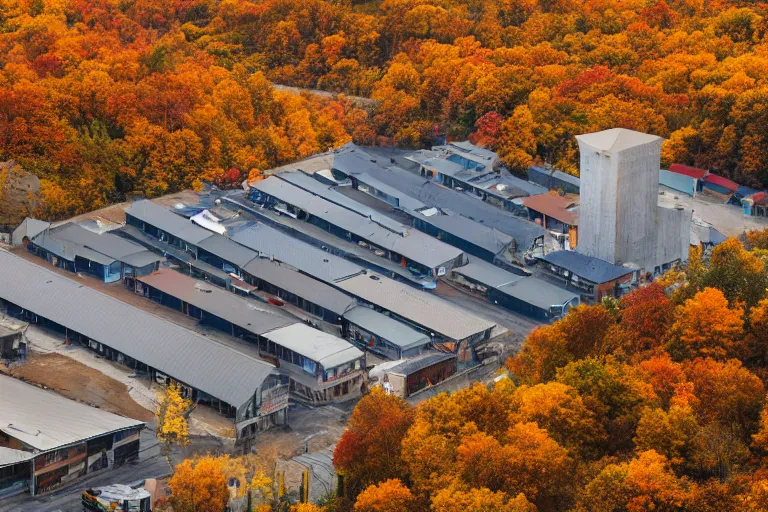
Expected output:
(693, 172)
(714, 179)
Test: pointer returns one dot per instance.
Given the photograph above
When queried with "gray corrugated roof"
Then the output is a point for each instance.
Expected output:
(405, 201)
(141, 259)
(185, 355)
(164, 219)
(311, 185)
(406, 241)
(487, 274)
(46, 421)
(386, 328)
(102, 248)
(537, 292)
(246, 313)
(482, 236)
(354, 162)
(326, 349)
(512, 186)
(587, 267)
(417, 306)
(269, 242)
(490, 239)
(420, 362)
(9, 456)
(228, 250)
(107, 243)
(568, 178)
(300, 285)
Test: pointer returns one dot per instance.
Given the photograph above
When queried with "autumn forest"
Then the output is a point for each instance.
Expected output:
(109, 99)
(655, 401)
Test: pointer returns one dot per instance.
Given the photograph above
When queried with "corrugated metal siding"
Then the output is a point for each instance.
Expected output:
(680, 182)
(209, 366)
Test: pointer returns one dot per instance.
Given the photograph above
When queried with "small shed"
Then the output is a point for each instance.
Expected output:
(678, 182)
(13, 345)
(383, 335)
(420, 372)
(720, 185)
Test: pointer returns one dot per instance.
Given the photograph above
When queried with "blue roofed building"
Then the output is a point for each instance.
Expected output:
(591, 277)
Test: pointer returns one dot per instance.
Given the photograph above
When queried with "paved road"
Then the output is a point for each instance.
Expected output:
(359, 101)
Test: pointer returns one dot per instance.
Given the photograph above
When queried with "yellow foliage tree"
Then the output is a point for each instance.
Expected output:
(172, 426)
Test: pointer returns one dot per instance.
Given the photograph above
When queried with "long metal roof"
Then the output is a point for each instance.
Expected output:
(487, 274)
(228, 250)
(164, 219)
(387, 328)
(420, 362)
(353, 162)
(271, 243)
(74, 240)
(9, 456)
(300, 285)
(45, 421)
(326, 349)
(417, 306)
(537, 292)
(246, 313)
(587, 267)
(404, 240)
(219, 371)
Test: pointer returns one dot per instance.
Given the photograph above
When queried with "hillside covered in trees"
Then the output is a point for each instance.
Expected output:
(102, 99)
(653, 402)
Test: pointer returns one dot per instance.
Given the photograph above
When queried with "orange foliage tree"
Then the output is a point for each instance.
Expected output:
(387, 496)
(706, 326)
(199, 486)
(369, 450)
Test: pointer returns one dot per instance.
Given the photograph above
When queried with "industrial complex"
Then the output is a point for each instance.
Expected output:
(317, 276)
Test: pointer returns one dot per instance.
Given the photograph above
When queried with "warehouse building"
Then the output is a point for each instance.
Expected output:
(164, 225)
(421, 254)
(591, 277)
(47, 441)
(253, 252)
(104, 256)
(446, 324)
(322, 367)
(478, 216)
(465, 234)
(208, 372)
(312, 296)
(408, 377)
(311, 356)
(530, 296)
(383, 335)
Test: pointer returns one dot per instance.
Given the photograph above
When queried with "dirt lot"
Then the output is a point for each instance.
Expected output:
(79, 382)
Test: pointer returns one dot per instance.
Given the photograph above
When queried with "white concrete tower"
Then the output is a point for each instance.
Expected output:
(619, 196)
